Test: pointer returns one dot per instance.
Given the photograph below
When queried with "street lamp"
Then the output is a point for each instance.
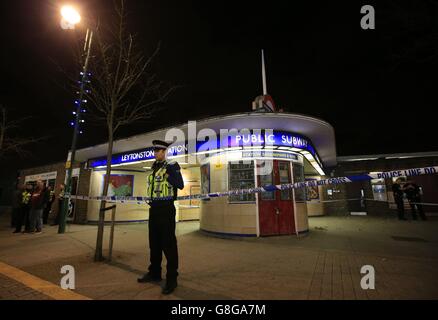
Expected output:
(70, 15)
(70, 18)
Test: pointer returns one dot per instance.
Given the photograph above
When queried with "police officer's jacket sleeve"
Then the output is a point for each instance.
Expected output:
(175, 178)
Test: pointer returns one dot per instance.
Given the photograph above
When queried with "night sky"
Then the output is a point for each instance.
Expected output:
(378, 88)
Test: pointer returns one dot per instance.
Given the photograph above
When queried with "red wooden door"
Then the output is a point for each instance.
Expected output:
(267, 202)
(276, 209)
(285, 199)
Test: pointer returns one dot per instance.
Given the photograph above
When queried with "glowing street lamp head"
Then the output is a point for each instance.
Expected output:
(70, 17)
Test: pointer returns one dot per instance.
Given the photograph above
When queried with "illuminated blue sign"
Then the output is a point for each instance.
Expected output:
(275, 138)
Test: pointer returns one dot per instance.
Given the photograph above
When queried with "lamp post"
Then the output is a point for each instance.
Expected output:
(71, 17)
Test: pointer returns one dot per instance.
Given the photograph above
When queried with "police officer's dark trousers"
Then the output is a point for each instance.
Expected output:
(415, 204)
(400, 207)
(23, 219)
(162, 239)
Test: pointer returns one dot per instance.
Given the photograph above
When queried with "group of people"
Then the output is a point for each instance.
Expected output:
(412, 192)
(32, 206)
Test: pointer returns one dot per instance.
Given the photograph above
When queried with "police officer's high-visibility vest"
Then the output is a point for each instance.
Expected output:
(25, 196)
(158, 186)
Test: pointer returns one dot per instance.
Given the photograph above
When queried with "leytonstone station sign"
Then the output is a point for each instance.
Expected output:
(261, 139)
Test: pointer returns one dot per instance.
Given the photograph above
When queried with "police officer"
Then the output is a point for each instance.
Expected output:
(23, 210)
(164, 181)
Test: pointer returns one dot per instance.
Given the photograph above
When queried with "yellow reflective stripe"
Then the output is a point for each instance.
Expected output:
(161, 188)
(165, 189)
(149, 188)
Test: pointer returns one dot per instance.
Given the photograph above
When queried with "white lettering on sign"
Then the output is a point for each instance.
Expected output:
(250, 138)
(294, 141)
(177, 149)
(41, 176)
(229, 139)
(270, 139)
(137, 156)
(269, 154)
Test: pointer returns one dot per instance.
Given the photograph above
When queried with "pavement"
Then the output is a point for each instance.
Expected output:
(14, 290)
(325, 264)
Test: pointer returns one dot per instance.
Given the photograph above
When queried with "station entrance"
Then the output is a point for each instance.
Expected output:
(276, 208)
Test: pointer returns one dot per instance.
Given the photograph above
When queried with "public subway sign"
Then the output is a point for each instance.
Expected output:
(273, 138)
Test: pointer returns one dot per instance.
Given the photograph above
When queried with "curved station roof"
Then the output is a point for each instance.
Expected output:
(320, 133)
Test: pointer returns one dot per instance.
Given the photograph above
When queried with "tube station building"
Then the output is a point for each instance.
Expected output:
(299, 148)
(263, 147)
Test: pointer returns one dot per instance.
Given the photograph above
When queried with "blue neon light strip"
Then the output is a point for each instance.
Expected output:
(277, 138)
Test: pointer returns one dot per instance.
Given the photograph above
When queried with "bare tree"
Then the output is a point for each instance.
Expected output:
(123, 88)
(9, 142)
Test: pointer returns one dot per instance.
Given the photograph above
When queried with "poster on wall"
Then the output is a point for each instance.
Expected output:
(120, 185)
(205, 178)
(312, 192)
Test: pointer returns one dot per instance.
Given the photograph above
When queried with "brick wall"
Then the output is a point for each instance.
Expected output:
(336, 203)
(83, 190)
(83, 187)
(59, 168)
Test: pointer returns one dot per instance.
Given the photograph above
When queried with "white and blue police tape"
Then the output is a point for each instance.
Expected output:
(269, 188)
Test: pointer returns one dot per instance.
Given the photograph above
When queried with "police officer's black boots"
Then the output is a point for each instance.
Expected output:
(170, 286)
(149, 278)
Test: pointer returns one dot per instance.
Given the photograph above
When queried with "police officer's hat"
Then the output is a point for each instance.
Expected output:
(159, 144)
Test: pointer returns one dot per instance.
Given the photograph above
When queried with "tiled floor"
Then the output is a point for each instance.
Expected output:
(325, 264)
(13, 290)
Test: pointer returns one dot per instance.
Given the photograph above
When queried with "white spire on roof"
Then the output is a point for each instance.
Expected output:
(265, 89)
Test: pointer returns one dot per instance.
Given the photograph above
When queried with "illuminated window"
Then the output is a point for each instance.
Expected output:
(379, 189)
(241, 176)
(298, 174)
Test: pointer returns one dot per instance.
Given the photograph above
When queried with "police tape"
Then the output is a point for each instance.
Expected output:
(270, 188)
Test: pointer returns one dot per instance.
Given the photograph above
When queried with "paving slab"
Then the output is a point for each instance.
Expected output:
(325, 264)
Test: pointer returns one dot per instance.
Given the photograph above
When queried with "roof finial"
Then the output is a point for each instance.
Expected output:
(265, 90)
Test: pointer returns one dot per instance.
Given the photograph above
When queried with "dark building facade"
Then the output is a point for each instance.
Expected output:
(375, 196)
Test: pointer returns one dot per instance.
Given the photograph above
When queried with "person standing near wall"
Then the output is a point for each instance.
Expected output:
(397, 190)
(50, 196)
(164, 182)
(22, 198)
(38, 201)
(413, 194)
(60, 201)
(29, 189)
(16, 203)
